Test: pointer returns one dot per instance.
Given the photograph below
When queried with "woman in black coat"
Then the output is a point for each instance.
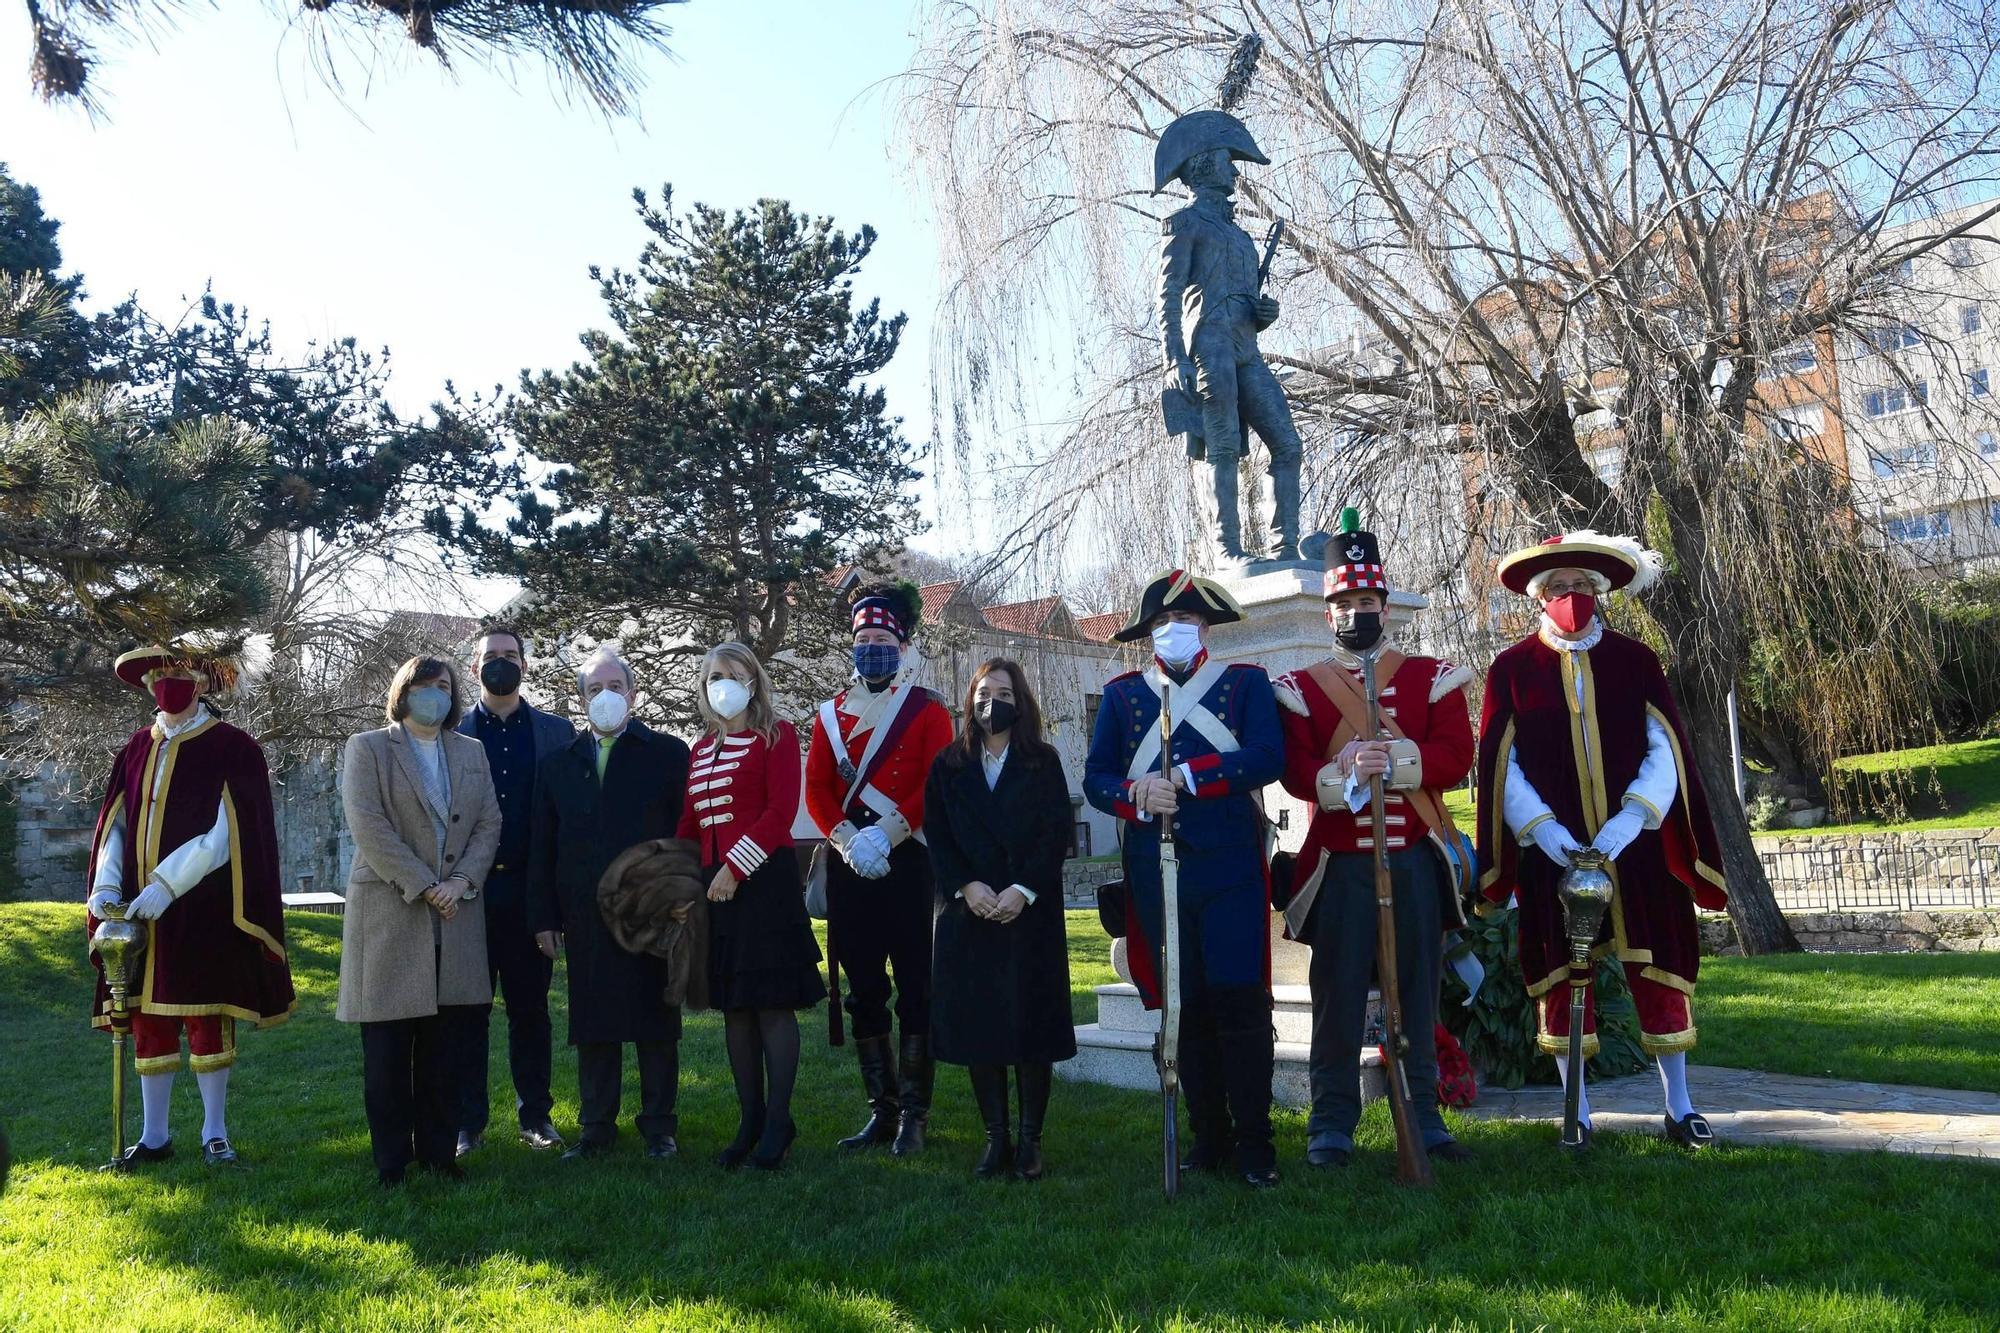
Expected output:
(997, 818)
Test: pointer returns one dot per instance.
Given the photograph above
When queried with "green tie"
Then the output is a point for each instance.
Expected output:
(604, 744)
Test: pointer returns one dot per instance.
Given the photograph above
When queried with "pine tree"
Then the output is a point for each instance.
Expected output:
(720, 451)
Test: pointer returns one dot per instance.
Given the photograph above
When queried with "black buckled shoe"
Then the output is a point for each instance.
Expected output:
(217, 1152)
(661, 1146)
(586, 1148)
(140, 1155)
(1260, 1177)
(469, 1141)
(1690, 1132)
(1329, 1158)
(1451, 1150)
(541, 1137)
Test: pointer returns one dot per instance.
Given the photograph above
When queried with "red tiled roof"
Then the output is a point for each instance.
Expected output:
(1099, 629)
(937, 596)
(1030, 617)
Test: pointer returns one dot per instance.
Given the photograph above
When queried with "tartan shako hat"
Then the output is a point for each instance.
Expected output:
(1178, 590)
(1354, 559)
(879, 613)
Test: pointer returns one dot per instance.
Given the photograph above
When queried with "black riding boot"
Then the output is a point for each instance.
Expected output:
(989, 1090)
(878, 1079)
(1034, 1080)
(916, 1094)
(1243, 1019)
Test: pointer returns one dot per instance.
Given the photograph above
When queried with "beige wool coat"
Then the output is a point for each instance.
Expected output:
(398, 959)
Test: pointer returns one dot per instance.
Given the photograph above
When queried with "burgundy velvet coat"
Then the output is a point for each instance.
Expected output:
(1580, 760)
(219, 949)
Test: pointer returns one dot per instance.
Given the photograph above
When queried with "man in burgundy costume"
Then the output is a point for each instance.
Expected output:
(1580, 739)
(186, 843)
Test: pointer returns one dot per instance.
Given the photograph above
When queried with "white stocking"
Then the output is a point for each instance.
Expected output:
(214, 1084)
(156, 1093)
(1674, 1081)
(1582, 1091)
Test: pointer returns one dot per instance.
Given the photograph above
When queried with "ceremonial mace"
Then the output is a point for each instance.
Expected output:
(118, 944)
(1413, 1162)
(1170, 965)
(1585, 890)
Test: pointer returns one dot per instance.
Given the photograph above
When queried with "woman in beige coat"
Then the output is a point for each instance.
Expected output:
(426, 824)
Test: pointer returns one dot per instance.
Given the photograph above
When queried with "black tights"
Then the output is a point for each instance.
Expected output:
(764, 1060)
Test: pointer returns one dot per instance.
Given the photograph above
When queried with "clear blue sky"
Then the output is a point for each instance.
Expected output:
(453, 217)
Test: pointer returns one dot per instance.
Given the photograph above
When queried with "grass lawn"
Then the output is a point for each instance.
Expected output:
(1922, 1018)
(1959, 786)
(1639, 1236)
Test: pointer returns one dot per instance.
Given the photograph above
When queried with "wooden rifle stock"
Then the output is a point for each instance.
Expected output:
(1413, 1162)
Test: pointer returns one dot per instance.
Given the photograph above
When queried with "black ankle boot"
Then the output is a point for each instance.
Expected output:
(915, 1086)
(989, 1090)
(878, 1080)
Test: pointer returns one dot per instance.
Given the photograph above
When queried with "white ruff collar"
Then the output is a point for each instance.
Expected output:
(1552, 636)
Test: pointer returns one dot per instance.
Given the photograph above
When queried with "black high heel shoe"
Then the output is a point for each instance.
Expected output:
(773, 1159)
(739, 1149)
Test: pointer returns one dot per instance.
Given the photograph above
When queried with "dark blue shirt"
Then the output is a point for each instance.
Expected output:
(510, 755)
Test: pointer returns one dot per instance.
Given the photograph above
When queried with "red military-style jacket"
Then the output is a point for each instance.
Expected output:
(1425, 697)
(742, 795)
(893, 796)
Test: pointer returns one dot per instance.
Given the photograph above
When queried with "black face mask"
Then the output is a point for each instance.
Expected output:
(995, 715)
(1360, 634)
(501, 676)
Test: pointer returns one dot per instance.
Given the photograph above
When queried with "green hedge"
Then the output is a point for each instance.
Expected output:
(1498, 1028)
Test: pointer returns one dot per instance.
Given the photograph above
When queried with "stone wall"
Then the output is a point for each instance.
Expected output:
(1940, 930)
(1081, 878)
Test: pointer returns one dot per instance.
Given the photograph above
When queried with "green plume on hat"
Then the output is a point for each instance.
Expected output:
(1350, 519)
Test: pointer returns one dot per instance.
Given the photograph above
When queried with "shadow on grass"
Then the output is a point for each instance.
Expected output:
(1639, 1236)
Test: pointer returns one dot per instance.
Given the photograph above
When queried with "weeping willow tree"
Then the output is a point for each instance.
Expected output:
(588, 44)
(1544, 264)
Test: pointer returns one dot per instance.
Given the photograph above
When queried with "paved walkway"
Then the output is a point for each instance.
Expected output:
(1745, 1106)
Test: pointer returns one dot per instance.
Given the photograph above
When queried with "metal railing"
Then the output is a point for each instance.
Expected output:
(1940, 871)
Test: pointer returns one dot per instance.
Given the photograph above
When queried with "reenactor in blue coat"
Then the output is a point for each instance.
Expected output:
(1226, 744)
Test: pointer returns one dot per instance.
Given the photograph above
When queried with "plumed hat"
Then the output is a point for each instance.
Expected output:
(1354, 559)
(1612, 562)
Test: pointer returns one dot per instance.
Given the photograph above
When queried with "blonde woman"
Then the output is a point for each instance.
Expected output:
(743, 793)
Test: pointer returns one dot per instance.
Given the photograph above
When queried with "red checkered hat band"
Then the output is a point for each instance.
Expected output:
(874, 613)
(1348, 578)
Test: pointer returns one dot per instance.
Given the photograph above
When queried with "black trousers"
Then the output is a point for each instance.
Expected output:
(600, 1080)
(880, 926)
(410, 1071)
(521, 975)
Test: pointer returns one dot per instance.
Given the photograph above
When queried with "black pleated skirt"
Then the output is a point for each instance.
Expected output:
(761, 949)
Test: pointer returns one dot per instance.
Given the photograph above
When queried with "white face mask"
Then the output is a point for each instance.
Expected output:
(728, 697)
(1176, 642)
(607, 710)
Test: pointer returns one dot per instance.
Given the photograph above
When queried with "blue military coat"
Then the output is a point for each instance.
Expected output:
(1228, 743)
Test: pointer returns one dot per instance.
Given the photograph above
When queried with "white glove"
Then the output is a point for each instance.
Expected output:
(1555, 841)
(154, 899)
(101, 899)
(868, 853)
(1618, 832)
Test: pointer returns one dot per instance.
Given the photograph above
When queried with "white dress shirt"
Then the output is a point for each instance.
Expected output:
(188, 864)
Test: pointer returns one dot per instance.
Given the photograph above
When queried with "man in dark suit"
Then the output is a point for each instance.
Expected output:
(517, 737)
(616, 785)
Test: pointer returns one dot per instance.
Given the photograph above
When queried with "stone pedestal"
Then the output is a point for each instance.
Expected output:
(1284, 628)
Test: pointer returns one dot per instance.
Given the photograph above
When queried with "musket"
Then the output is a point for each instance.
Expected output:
(1170, 965)
(1413, 1163)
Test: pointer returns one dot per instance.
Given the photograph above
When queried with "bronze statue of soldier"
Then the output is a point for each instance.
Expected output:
(1211, 308)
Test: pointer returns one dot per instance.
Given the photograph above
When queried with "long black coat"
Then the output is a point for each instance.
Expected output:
(1000, 993)
(578, 830)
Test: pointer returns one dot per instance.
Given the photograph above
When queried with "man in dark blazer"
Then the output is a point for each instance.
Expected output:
(616, 785)
(517, 737)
